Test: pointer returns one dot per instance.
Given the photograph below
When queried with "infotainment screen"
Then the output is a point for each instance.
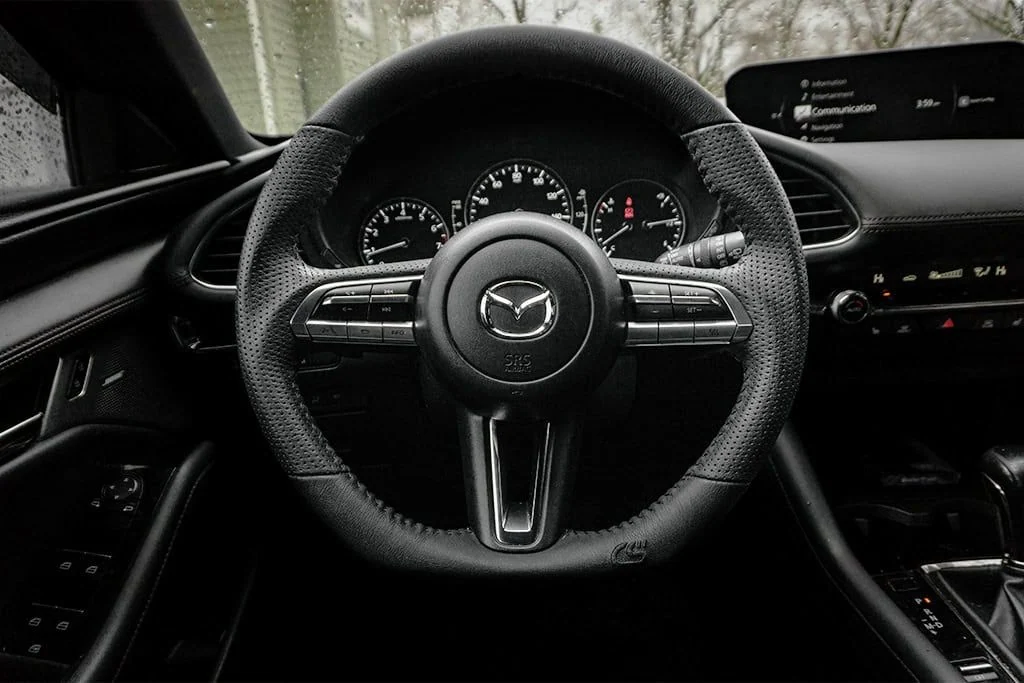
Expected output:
(960, 91)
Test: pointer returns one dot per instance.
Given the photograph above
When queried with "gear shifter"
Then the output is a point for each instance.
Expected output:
(1002, 468)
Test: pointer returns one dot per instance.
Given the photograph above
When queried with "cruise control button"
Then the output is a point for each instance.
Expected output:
(397, 333)
(713, 332)
(641, 333)
(675, 333)
(693, 291)
(365, 332)
(698, 308)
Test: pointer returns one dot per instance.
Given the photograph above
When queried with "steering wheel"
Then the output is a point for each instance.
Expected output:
(521, 316)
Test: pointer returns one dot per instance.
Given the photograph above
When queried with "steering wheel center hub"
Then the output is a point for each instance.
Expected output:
(518, 310)
(518, 304)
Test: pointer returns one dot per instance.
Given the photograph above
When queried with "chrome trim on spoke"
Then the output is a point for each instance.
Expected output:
(518, 519)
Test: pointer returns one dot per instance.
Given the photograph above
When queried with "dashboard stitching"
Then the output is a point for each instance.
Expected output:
(978, 216)
(40, 341)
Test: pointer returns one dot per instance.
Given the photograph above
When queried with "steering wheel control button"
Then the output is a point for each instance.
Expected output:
(675, 333)
(345, 303)
(404, 288)
(652, 310)
(641, 334)
(367, 312)
(397, 333)
(365, 332)
(697, 314)
(713, 332)
(327, 331)
(391, 302)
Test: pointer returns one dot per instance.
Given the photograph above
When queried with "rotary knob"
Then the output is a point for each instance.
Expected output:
(850, 306)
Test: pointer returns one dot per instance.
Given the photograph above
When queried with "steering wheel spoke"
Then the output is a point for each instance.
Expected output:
(695, 308)
(518, 478)
(365, 307)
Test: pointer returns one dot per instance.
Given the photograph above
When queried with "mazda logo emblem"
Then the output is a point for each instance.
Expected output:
(517, 309)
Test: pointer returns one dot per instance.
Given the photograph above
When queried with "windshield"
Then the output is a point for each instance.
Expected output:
(279, 60)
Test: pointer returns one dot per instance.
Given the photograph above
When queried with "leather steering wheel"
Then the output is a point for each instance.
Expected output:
(521, 316)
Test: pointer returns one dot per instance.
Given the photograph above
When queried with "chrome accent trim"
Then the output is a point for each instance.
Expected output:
(518, 518)
(837, 194)
(249, 203)
(660, 299)
(14, 429)
(961, 564)
(85, 382)
(942, 308)
(492, 298)
(817, 309)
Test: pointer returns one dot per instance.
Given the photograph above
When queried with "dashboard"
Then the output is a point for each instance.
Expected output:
(582, 157)
(910, 244)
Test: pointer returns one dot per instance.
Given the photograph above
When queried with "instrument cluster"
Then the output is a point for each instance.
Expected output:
(597, 164)
(635, 219)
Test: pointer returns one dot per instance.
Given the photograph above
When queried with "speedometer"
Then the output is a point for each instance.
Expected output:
(519, 185)
(402, 229)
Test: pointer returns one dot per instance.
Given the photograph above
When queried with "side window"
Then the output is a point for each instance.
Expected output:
(33, 154)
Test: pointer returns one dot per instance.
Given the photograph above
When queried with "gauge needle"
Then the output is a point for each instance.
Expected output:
(626, 227)
(657, 224)
(391, 247)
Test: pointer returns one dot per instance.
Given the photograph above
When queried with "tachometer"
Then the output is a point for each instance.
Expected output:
(402, 229)
(638, 219)
(519, 185)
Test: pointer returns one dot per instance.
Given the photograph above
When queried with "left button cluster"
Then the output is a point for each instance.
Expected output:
(376, 312)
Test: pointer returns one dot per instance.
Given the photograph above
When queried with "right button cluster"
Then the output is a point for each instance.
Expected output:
(664, 312)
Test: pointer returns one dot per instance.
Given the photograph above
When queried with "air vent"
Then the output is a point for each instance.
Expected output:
(822, 215)
(216, 259)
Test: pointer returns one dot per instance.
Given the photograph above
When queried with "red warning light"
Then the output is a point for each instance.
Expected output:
(629, 201)
(627, 212)
(948, 324)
